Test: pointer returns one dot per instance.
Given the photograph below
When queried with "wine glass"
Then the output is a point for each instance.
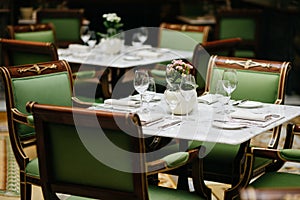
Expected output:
(172, 97)
(85, 34)
(150, 92)
(92, 40)
(142, 34)
(141, 83)
(229, 81)
(187, 89)
(139, 37)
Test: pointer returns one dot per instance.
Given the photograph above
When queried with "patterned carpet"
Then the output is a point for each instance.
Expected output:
(9, 175)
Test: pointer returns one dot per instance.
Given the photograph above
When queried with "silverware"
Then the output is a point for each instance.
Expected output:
(169, 124)
(239, 102)
(153, 122)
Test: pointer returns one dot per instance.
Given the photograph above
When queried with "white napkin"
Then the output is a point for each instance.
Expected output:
(208, 99)
(148, 54)
(147, 118)
(118, 102)
(78, 48)
(241, 114)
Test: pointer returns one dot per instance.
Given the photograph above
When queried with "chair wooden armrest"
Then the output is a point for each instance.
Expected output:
(21, 117)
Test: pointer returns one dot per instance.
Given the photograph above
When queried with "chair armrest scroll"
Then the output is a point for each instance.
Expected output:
(22, 117)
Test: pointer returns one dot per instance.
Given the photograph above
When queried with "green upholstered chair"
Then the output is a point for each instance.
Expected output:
(276, 184)
(67, 23)
(19, 52)
(101, 155)
(33, 32)
(202, 53)
(47, 82)
(179, 37)
(243, 23)
(258, 80)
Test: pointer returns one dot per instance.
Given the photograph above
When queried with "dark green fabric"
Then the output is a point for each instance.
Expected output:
(237, 27)
(184, 40)
(176, 159)
(277, 180)
(47, 89)
(32, 168)
(89, 171)
(67, 29)
(291, 154)
(20, 58)
(39, 36)
(163, 193)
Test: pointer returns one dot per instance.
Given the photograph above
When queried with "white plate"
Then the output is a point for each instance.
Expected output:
(228, 125)
(132, 58)
(250, 104)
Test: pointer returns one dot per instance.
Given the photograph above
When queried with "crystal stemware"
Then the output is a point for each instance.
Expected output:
(172, 97)
(150, 92)
(141, 83)
(187, 88)
(85, 34)
(229, 81)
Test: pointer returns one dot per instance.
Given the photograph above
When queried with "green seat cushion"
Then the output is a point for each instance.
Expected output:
(291, 154)
(176, 159)
(163, 193)
(277, 180)
(158, 72)
(38, 36)
(32, 168)
(244, 54)
(85, 74)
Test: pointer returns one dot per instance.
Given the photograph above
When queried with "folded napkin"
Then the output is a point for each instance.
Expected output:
(207, 99)
(148, 54)
(118, 102)
(78, 48)
(241, 114)
(147, 119)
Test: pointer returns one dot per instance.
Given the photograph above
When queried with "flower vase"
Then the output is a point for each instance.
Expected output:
(184, 106)
(111, 45)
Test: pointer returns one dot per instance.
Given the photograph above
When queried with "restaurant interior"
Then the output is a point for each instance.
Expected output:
(58, 90)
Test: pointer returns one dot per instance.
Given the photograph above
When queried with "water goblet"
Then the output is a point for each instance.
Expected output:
(141, 83)
(187, 90)
(150, 92)
(229, 81)
(92, 40)
(85, 34)
(172, 97)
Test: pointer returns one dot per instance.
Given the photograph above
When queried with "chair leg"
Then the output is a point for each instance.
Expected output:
(25, 191)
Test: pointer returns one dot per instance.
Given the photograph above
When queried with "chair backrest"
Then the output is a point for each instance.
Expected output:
(243, 23)
(32, 32)
(19, 52)
(48, 82)
(202, 53)
(67, 23)
(68, 137)
(258, 80)
(182, 36)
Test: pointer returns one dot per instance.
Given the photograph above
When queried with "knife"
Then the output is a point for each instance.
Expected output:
(169, 124)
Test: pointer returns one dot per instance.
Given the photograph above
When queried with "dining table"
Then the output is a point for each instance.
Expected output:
(129, 57)
(208, 121)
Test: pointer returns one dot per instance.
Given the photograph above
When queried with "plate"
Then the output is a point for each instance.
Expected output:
(132, 58)
(228, 125)
(250, 104)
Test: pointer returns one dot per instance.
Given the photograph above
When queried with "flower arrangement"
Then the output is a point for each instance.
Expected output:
(176, 69)
(112, 24)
